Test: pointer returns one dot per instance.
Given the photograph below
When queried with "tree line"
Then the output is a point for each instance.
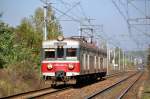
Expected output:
(22, 43)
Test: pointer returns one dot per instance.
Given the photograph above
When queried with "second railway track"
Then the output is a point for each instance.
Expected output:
(112, 92)
(36, 93)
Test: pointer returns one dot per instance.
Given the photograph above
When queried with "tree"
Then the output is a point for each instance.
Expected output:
(53, 26)
(26, 34)
(6, 44)
(29, 33)
(24, 42)
(20, 49)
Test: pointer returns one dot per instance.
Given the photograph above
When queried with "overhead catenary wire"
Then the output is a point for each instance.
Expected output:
(144, 18)
(73, 18)
(66, 13)
(139, 41)
(69, 6)
(127, 17)
(147, 35)
(82, 10)
(65, 3)
(69, 10)
(121, 13)
(142, 13)
(76, 20)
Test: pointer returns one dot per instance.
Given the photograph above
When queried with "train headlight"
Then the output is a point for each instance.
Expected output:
(49, 66)
(70, 66)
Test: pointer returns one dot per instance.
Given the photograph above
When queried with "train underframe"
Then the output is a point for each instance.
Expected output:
(79, 79)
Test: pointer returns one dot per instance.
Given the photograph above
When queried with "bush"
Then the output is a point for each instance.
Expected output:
(24, 70)
(19, 77)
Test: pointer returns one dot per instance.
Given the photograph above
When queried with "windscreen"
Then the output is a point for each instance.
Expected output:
(71, 52)
(50, 53)
(60, 52)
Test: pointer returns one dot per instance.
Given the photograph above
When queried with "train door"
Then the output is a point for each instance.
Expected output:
(88, 62)
(84, 61)
(95, 63)
(101, 62)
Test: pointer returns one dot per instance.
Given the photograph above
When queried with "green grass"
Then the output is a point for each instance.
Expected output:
(146, 92)
(146, 96)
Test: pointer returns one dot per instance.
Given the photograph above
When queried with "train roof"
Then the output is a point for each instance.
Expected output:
(72, 42)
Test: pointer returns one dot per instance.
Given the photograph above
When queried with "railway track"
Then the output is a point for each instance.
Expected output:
(106, 91)
(73, 92)
(36, 93)
(47, 91)
(114, 74)
(128, 88)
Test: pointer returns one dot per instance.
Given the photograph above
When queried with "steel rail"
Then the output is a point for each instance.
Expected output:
(109, 87)
(35, 93)
(59, 90)
(129, 87)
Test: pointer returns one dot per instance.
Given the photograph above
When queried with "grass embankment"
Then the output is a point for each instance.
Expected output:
(146, 93)
(18, 78)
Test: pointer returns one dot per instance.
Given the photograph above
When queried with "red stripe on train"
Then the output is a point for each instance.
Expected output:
(61, 67)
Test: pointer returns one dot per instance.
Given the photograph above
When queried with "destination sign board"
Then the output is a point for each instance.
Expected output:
(60, 43)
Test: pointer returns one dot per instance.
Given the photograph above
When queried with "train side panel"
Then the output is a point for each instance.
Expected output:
(91, 62)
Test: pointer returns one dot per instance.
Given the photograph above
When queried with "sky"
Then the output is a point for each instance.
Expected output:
(102, 12)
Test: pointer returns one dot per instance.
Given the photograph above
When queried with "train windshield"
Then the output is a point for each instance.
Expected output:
(49, 53)
(71, 52)
(60, 52)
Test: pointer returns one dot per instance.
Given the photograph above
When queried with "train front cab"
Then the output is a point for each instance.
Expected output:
(61, 63)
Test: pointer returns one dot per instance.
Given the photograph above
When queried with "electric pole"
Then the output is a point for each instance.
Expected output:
(107, 59)
(46, 4)
(119, 60)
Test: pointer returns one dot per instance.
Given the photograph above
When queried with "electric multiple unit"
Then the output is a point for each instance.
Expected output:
(72, 58)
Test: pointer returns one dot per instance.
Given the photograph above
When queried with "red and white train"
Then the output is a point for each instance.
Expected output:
(72, 58)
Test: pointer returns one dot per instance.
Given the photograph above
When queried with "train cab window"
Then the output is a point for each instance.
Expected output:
(60, 52)
(49, 53)
(71, 52)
